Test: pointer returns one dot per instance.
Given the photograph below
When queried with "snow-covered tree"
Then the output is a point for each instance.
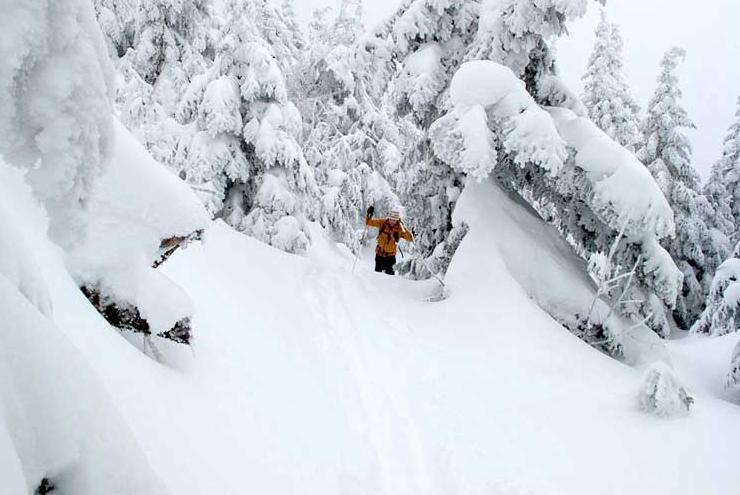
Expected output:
(349, 24)
(241, 150)
(722, 313)
(116, 20)
(667, 154)
(606, 93)
(571, 172)
(170, 35)
(515, 33)
(277, 26)
(723, 187)
(55, 111)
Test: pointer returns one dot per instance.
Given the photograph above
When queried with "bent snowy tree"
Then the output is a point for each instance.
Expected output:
(563, 164)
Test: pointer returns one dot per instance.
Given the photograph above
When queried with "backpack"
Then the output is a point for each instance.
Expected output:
(387, 238)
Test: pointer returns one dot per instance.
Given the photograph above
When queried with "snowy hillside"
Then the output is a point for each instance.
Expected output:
(306, 378)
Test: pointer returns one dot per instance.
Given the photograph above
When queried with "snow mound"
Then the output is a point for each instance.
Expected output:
(56, 420)
(703, 363)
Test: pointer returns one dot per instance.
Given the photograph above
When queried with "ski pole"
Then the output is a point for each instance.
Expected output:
(357, 255)
(362, 239)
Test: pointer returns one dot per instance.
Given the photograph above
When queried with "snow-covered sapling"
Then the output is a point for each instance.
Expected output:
(662, 394)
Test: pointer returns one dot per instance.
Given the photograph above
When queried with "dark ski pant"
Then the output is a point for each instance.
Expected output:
(385, 264)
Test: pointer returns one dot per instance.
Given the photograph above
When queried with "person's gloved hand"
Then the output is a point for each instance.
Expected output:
(395, 236)
(370, 211)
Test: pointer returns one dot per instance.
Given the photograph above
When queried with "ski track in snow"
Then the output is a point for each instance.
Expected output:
(397, 444)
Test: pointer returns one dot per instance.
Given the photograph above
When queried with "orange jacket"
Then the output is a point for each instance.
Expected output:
(387, 235)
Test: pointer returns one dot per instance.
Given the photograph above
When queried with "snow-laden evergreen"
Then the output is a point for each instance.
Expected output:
(606, 93)
(497, 127)
(168, 35)
(117, 22)
(723, 187)
(723, 302)
(667, 154)
(279, 29)
(241, 150)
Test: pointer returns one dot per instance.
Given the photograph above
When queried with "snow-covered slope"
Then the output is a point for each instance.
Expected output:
(56, 418)
(306, 378)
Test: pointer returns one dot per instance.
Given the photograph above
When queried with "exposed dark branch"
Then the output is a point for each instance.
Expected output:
(172, 244)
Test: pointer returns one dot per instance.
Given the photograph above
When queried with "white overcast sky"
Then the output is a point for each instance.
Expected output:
(707, 29)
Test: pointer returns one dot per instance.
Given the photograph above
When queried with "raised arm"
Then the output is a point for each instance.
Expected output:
(374, 222)
(406, 234)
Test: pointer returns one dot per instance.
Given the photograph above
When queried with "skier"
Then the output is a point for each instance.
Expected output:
(391, 230)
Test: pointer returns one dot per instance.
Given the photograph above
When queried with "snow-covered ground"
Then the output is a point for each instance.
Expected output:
(308, 378)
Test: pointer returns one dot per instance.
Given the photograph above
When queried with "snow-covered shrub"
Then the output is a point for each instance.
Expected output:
(55, 104)
(662, 394)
